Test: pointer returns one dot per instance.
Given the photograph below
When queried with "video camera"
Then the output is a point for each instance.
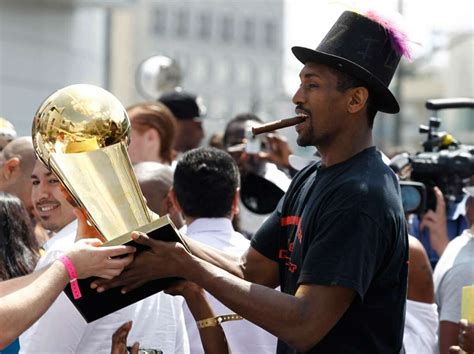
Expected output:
(444, 162)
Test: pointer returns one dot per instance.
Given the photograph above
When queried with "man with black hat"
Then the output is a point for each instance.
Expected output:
(337, 243)
(188, 111)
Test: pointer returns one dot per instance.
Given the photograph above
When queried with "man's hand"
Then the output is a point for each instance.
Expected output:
(91, 260)
(119, 340)
(436, 222)
(163, 260)
(466, 336)
(454, 349)
(278, 150)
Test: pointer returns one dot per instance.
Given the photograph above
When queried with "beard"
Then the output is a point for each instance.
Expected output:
(306, 135)
(309, 137)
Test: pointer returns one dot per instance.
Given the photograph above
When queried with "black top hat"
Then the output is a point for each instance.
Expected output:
(362, 48)
(183, 105)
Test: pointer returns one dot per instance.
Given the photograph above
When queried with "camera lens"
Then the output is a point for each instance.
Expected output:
(411, 198)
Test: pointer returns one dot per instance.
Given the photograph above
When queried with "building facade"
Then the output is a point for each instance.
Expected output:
(230, 52)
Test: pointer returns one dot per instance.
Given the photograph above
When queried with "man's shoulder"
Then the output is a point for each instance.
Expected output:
(459, 251)
(455, 264)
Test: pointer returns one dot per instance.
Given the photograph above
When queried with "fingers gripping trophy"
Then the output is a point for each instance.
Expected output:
(81, 132)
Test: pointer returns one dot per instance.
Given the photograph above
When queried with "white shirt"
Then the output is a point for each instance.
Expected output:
(421, 328)
(243, 336)
(454, 270)
(158, 321)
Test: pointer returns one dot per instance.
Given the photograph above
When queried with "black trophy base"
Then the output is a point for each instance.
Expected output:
(93, 305)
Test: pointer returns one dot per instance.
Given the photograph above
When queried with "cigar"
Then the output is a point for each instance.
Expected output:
(278, 124)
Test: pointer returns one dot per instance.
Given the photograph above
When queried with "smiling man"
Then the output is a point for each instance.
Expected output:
(49, 203)
(337, 243)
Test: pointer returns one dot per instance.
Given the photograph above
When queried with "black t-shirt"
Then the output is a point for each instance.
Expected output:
(344, 225)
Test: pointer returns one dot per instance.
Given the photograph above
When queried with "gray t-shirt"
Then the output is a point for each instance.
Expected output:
(455, 269)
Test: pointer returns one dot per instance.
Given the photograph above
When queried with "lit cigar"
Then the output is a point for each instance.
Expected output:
(278, 124)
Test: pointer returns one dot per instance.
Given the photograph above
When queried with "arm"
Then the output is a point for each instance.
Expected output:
(25, 299)
(465, 337)
(449, 295)
(436, 222)
(119, 340)
(21, 308)
(252, 266)
(214, 256)
(448, 336)
(213, 338)
(301, 320)
(420, 275)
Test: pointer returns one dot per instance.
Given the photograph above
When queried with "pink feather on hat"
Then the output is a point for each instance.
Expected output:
(398, 38)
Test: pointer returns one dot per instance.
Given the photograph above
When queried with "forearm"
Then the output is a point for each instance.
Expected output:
(280, 314)
(20, 309)
(213, 338)
(11, 285)
(448, 335)
(230, 263)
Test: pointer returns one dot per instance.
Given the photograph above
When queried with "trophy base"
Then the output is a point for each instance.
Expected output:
(93, 305)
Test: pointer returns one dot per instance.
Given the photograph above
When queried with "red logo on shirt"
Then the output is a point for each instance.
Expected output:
(285, 254)
(293, 220)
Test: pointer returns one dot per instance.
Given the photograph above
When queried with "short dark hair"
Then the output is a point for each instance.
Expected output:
(238, 119)
(346, 81)
(205, 181)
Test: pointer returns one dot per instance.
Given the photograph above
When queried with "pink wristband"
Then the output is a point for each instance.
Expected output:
(71, 270)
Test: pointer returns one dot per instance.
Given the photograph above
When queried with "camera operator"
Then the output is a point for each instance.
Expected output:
(437, 227)
(439, 173)
(263, 165)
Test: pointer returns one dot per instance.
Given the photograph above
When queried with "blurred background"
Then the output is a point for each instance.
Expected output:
(234, 54)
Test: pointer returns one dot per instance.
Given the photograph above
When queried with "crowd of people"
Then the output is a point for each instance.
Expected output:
(318, 257)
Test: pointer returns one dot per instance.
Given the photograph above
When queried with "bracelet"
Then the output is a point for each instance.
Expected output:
(216, 321)
(71, 270)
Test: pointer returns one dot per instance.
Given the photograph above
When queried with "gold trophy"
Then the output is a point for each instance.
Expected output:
(81, 132)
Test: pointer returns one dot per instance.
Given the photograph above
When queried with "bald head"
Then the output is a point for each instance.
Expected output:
(16, 164)
(155, 180)
(22, 148)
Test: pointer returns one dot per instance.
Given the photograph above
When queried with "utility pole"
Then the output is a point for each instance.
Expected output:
(397, 126)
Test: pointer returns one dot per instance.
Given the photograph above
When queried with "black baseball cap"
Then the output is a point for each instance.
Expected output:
(183, 105)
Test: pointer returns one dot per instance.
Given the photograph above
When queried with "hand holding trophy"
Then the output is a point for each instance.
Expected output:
(81, 133)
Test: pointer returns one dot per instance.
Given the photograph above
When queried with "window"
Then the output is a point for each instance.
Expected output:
(201, 69)
(159, 21)
(227, 30)
(222, 69)
(182, 23)
(205, 26)
(249, 31)
(244, 73)
(270, 34)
